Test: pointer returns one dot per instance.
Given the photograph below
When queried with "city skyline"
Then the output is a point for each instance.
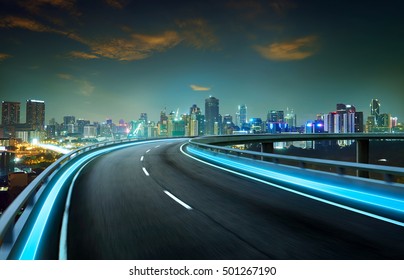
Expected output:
(118, 59)
(22, 109)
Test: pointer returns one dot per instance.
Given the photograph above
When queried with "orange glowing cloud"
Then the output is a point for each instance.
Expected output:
(199, 88)
(138, 46)
(19, 22)
(4, 56)
(83, 55)
(298, 49)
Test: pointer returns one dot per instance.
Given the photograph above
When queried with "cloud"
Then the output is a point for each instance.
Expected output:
(35, 26)
(133, 47)
(24, 23)
(117, 4)
(35, 6)
(199, 88)
(137, 47)
(83, 55)
(65, 76)
(197, 33)
(4, 56)
(250, 9)
(85, 87)
(298, 49)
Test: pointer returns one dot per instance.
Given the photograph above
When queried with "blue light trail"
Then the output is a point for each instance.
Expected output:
(370, 203)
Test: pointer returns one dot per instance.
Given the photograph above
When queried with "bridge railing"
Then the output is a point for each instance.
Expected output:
(388, 173)
(16, 214)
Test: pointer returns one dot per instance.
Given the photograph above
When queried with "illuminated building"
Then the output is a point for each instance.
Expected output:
(272, 116)
(7, 162)
(143, 118)
(228, 125)
(178, 128)
(212, 116)
(276, 122)
(384, 120)
(36, 114)
(375, 107)
(152, 129)
(162, 124)
(290, 120)
(256, 125)
(358, 122)
(344, 120)
(81, 124)
(241, 115)
(69, 120)
(195, 121)
(309, 127)
(89, 131)
(136, 129)
(50, 130)
(10, 113)
(394, 121)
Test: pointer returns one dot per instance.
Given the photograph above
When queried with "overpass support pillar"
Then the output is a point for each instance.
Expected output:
(267, 147)
(362, 156)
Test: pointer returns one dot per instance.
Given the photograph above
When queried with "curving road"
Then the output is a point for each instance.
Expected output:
(152, 202)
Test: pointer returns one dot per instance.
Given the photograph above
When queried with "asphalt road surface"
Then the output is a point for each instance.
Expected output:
(152, 202)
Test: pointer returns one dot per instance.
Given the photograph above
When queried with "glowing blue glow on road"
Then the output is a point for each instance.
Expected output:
(31, 246)
(387, 202)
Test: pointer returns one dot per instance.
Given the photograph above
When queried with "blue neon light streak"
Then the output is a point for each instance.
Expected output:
(31, 246)
(376, 200)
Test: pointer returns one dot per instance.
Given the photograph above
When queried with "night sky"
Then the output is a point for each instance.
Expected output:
(119, 58)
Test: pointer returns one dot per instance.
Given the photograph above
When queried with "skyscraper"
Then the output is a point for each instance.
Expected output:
(344, 120)
(36, 114)
(375, 107)
(242, 115)
(211, 115)
(196, 125)
(290, 120)
(10, 113)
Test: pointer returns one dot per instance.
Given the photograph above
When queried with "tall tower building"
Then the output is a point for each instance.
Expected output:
(10, 113)
(211, 115)
(196, 125)
(290, 119)
(242, 110)
(375, 107)
(36, 114)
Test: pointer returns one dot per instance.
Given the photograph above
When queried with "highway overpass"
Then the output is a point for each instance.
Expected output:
(171, 199)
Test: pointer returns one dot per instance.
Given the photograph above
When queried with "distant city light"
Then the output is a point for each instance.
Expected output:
(35, 141)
